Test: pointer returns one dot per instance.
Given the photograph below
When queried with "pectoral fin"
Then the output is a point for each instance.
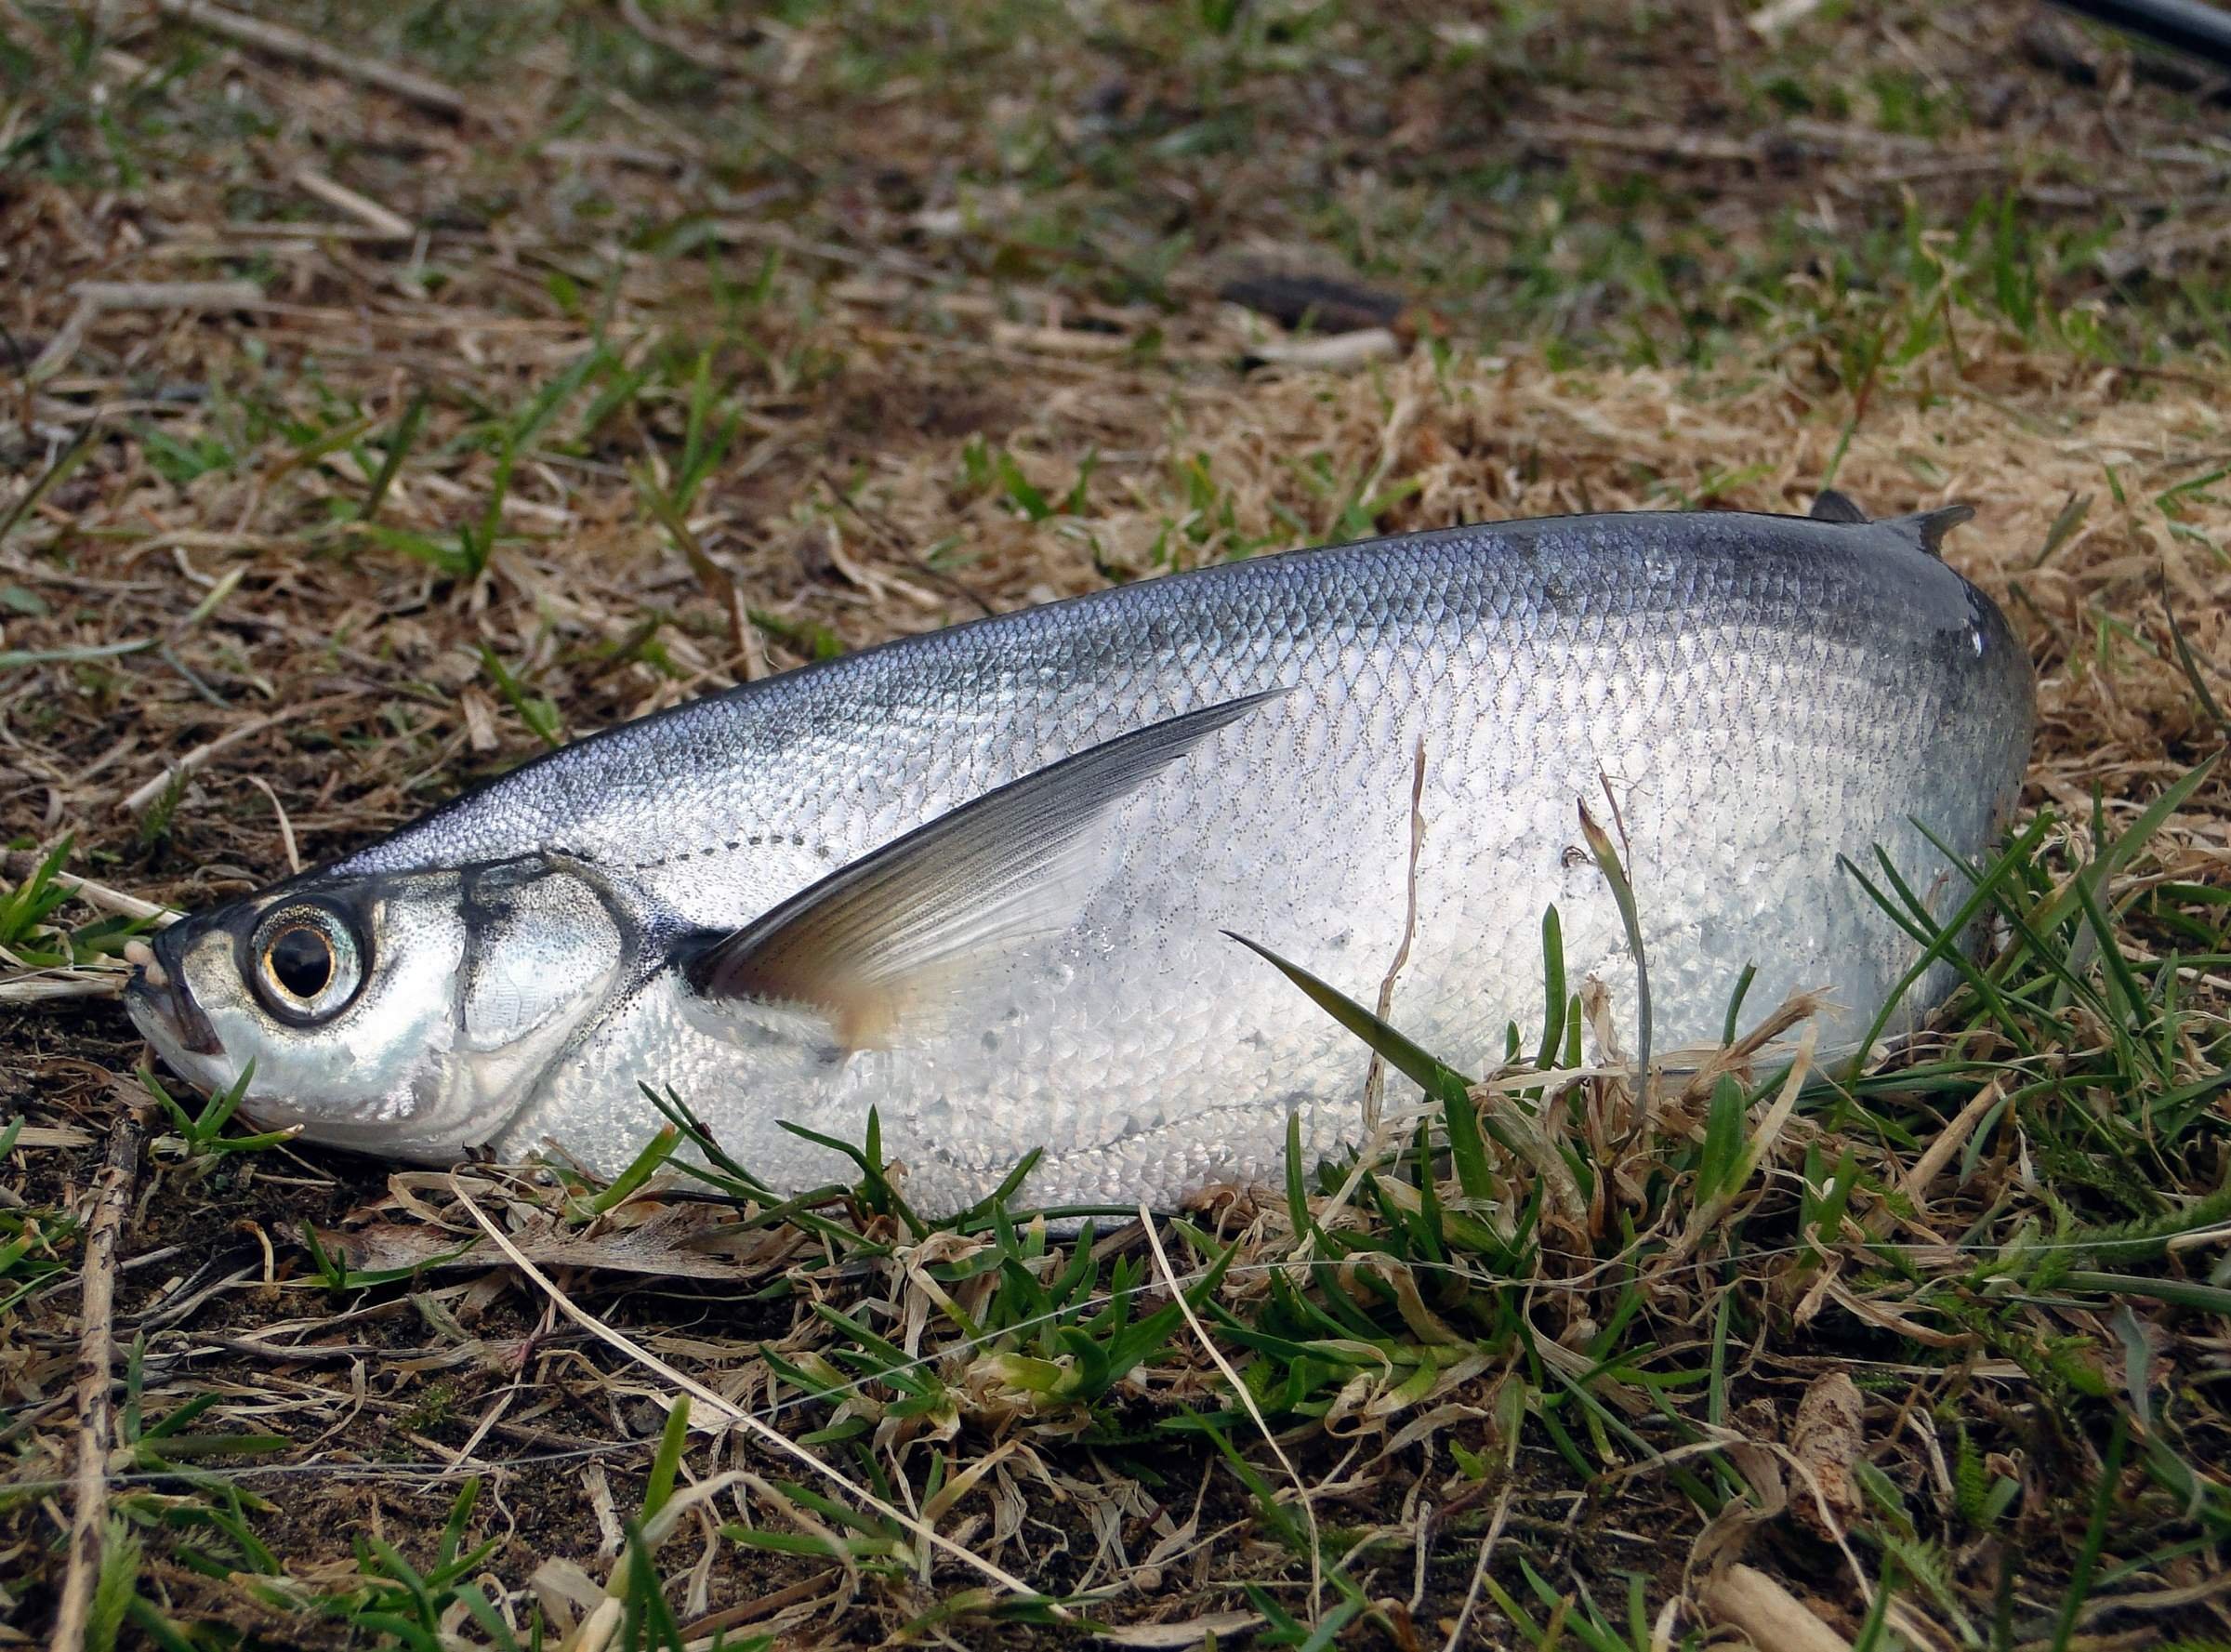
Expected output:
(878, 942)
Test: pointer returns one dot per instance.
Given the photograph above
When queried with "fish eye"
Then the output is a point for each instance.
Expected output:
(307, 962)
(300, 959)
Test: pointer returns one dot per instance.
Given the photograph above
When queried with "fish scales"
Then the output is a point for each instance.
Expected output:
(1753, 698)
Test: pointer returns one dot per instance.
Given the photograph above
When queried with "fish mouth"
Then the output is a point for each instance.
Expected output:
(158, 997)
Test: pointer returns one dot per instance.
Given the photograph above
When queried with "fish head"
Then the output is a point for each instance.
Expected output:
(408, 1014)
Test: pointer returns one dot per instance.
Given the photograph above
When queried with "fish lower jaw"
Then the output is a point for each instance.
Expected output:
(205, 1073)
(375, 1139)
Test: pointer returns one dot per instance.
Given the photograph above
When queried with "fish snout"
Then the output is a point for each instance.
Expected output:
(158, 997)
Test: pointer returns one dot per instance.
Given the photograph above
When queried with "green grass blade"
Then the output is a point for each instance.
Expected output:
(2095, 1537)
(1442, 1082)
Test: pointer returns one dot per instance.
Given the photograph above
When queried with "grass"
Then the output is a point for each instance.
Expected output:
(1676, 1231)
(723, 344)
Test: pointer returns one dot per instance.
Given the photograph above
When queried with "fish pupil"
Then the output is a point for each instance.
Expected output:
(301, 962)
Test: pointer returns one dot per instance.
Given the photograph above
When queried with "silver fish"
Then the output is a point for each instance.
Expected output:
(986, 880)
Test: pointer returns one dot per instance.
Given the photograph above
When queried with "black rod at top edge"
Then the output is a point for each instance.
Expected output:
(2191, 26)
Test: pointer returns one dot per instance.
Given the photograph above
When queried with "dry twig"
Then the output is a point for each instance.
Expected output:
(726, 1410)
(1247, 1398)
(140, 797)
(392, 225)
(95, 298)
(1375, 1080)
(110, 1202)
(1774, 1618)
(283, 42)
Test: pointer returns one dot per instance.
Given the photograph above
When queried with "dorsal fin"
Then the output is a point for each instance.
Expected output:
(1833, 506)
(878, 939)
(1927, 528)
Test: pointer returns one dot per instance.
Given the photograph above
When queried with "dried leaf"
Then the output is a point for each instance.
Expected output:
(1190, 1632)
(1825, 1439)
(662, 1244)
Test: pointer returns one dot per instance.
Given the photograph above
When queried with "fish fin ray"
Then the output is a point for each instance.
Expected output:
(1833, 505)
(1927, 529)
(883, 939)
